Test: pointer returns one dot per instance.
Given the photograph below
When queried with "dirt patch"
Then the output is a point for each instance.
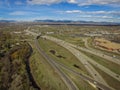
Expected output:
(101, 42)
(59, 56)
(76, 66)
(54, 53)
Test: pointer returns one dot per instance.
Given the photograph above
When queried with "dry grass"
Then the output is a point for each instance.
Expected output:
(44, 74)
(107, 44)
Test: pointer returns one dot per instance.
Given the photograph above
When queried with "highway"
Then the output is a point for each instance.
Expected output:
(31, 33)
(70, 84)
(98, 80)
(106, 70)
(85, 77)
(80, 57)
(84, 57)
(98, 53)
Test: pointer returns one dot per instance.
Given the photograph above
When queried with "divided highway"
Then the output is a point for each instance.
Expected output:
(98, 53)
(64, 77)
(80, 57)
(98, 80)
(84, 59)
(85, 77)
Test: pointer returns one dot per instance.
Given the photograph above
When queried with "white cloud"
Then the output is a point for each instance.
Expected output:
(71, 1)
(92, 12)
(99, 2)
(47, 2)
(73, 11)
(103, 15)
(18, 13)
(79, 2)
(91, 16)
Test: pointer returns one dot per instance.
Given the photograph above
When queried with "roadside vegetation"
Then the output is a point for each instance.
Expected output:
(65, 60)
(71, 39)
(62, 55)
(110, 80)
(23, 68)
(13, 72)
(90, 44)
(44, 74)
(108, 64)
(14, 64)
(80, 83)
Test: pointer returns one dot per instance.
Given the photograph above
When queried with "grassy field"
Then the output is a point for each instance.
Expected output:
(108, 64)
(111, 81)
(90, 44)
(62, 55)
(80, 83)
(74, 40)
(107, 44)
(45, 76)
(112, 66)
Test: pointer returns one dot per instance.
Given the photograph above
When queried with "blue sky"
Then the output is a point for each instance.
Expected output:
(86, 10)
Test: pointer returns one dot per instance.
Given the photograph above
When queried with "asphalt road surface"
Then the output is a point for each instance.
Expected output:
(80, 57)
(98, 53)
(101, 84)
(85, 77)
(70, 84)
(86, 59)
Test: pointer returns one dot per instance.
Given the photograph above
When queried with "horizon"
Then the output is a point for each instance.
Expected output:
(74, 10)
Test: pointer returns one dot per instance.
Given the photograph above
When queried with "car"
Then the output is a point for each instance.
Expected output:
(95, 82)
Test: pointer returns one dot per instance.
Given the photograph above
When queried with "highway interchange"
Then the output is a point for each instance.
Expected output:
(97, 79)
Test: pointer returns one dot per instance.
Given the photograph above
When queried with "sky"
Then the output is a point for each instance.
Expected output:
(84, 10)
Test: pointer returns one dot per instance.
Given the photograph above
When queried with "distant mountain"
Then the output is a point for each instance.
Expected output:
(77, 22)
(48, 21)
(7, 21)
(61, 21)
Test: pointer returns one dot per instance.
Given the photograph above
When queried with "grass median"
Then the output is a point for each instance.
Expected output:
(62, 55)
(109, 53)
(74, 40)
(110, 80)
(108, 64)
(45, 76)
(80, 83)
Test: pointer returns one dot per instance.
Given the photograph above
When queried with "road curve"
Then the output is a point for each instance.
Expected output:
(106, 70)
(104, 87)
(98, 53)
(80, 57)
(84, 77)
(70, 84)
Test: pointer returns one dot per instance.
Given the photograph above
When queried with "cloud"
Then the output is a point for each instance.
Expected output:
(79, 2)
(18, 13)
(73, 11)
(101, 15)
(40, 2)
(99, 2)
(91, 16)
(92, 12)
(71, 1)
